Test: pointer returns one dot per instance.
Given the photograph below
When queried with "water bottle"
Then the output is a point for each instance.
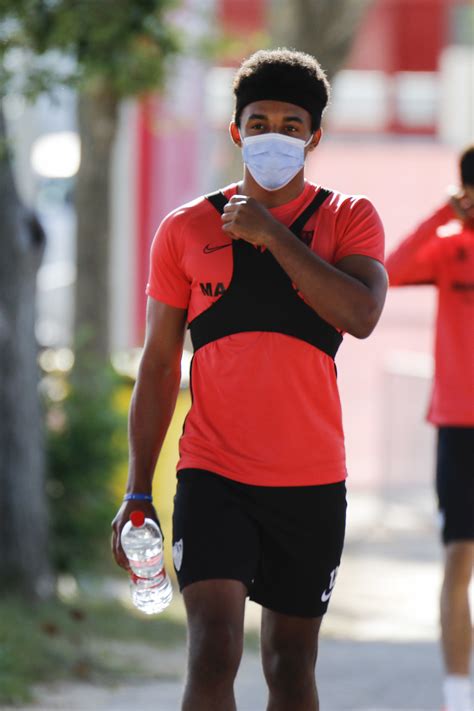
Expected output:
(142, 543)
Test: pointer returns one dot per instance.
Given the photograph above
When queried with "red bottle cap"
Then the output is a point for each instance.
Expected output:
(137, 518)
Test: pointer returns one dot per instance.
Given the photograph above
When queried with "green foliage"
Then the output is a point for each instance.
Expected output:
(55, 640)
(122, 45)
(86, 443)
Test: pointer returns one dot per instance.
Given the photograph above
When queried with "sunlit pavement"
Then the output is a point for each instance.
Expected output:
(379, 649)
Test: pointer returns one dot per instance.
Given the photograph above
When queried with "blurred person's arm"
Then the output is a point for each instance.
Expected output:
(152, 406)
(463, 205)
(414, 260)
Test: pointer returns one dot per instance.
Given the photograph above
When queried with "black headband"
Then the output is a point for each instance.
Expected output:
(284, 92)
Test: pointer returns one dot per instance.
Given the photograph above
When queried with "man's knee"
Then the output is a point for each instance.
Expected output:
(289, 674)
(215, 650)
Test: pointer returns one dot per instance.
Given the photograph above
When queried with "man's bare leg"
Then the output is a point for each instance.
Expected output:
(215, 611)
(289, 651)
(456, 628)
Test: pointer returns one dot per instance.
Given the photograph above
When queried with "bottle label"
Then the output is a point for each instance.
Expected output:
(156, 579)
(148, 563)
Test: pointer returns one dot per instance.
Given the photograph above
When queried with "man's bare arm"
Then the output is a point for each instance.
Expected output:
(152, 406)
(349, 295)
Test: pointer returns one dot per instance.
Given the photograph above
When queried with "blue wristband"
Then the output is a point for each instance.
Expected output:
(138, 497)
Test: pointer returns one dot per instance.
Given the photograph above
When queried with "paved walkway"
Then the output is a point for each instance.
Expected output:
(379, 649)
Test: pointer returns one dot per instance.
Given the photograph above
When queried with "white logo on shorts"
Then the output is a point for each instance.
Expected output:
(332, 581)
(178, 554)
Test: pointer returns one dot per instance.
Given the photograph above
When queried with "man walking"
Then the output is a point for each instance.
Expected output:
(441, 252)
(268, 273)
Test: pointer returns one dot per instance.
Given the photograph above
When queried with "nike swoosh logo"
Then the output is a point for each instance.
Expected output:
(208, 249)
(326, 595)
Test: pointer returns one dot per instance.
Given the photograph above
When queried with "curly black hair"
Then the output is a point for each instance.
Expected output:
(466, 166)
(282, 75)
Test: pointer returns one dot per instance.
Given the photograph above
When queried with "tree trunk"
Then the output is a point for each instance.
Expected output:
(97, 114)
(323, 28)
(24, 563)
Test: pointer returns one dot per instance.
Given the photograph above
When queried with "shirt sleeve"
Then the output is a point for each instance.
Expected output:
(167, 280)
(415, 260)
(360, 231)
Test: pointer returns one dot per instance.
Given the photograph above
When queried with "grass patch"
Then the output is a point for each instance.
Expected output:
(252, 641)
(55, 640)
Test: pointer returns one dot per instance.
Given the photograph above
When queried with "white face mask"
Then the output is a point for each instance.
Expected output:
(273, 159)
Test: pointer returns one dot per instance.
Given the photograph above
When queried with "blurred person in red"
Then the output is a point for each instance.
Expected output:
(268, 273)
(441, 252)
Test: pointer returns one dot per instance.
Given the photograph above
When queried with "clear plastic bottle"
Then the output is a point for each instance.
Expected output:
(142, 543)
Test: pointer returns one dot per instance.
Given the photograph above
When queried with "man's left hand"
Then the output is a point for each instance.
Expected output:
(245, 218)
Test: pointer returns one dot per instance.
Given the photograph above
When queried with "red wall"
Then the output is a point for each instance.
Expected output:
(241, 16)
(167, 166)
(403, 35)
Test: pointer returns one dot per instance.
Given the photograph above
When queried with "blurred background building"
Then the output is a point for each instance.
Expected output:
(402, 108)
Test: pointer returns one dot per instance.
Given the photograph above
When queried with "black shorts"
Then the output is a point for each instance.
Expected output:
(455, 482)
(283, 543)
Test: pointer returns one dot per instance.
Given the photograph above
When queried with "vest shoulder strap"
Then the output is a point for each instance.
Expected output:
(217, 200)
(320, 197)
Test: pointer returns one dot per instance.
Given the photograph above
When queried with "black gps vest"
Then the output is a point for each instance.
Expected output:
(261, 296)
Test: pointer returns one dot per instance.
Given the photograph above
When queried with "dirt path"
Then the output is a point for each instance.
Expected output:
(353, 676)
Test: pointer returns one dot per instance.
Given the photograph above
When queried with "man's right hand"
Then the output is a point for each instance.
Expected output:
(121, 518)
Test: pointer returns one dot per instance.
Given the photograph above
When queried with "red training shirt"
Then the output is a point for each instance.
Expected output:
(266, 407)
(441, 252)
